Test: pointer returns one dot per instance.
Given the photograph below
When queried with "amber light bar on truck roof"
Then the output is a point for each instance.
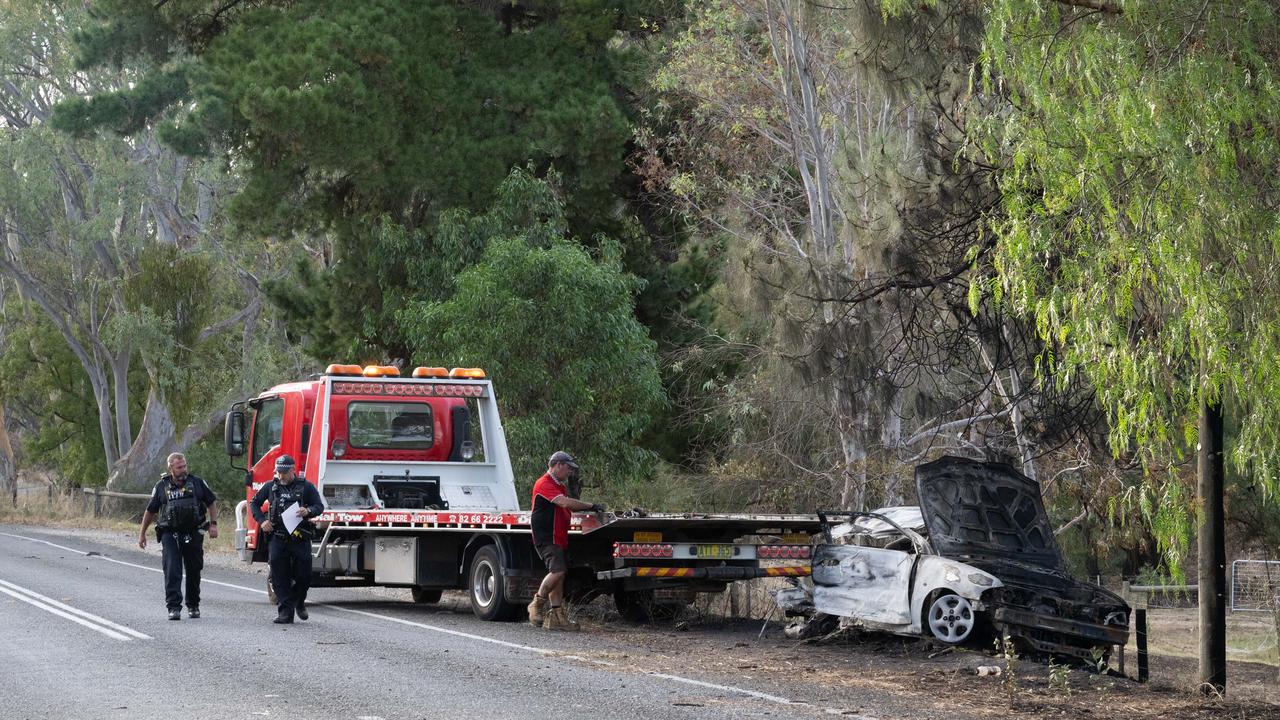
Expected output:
(418, 372)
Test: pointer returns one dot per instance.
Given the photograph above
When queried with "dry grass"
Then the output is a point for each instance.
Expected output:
(1251, 637)
(36, 506)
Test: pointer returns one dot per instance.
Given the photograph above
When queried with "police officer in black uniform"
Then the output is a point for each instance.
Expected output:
(289, 554)
(187, 508)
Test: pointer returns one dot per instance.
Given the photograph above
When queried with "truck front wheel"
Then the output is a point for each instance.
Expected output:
(488, 587)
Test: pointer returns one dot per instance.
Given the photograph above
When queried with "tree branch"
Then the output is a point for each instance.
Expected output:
(1099, 5)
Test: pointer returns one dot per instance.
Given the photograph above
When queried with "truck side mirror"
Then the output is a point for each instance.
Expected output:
(233, 433)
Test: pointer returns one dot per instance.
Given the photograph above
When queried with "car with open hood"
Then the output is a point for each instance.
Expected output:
(977, 557)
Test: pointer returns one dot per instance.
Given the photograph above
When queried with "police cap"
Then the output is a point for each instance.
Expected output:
(284, 462)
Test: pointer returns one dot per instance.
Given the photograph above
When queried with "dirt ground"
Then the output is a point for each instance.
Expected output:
(927, 676)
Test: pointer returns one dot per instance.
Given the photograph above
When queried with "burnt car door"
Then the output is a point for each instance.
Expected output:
(869, 584)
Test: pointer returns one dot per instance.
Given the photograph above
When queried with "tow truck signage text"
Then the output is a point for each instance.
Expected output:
(436, 518)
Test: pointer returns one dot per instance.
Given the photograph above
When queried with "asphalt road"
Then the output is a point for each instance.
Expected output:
(84, 634)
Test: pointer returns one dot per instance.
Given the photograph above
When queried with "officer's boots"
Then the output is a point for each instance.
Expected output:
(537, 611)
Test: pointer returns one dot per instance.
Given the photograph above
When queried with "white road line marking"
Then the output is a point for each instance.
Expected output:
(203, 580)
(458, 633)
(76, 611)
(30, 601)
(556, 653)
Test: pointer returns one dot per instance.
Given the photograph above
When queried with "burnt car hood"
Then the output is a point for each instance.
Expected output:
(987, 511)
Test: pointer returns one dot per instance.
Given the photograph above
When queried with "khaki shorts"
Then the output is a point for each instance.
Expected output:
(554, 557)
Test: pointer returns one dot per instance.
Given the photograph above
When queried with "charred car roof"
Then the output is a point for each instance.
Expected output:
(985, 509)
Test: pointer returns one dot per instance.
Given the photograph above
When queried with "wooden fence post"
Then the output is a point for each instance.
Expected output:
(1140, 619)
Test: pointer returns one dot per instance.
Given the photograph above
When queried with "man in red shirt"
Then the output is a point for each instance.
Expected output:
(552, 510)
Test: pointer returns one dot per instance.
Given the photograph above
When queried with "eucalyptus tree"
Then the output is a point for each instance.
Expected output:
(347, 118)
(358, 126)
(823, 145)
(107, 238)
(1140, 193)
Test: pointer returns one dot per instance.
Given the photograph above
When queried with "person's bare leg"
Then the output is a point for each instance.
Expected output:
(552, 587)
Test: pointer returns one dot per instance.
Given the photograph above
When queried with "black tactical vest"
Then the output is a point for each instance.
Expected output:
(182, 511)
(282, 496)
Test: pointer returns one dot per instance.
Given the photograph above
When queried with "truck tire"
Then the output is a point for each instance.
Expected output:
(638, 606)
(487, 586)
(426, 595)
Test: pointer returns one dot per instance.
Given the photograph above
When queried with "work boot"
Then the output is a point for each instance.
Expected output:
(175, 614)
(302, 612)
(193, 613)
(283, 618)
(558, 619)
(537, 611)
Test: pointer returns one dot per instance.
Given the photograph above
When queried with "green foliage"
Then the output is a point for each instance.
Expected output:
(369, 120)
(1060, 677)
(358, 126)
(557, 327)
(43, 380)
(208, 459)
(1140, 221)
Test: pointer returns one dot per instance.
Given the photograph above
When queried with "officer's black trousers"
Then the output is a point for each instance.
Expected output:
(290, 562)
(182, 550)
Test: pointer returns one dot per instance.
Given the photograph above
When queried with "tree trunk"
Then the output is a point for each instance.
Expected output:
(138, 470)
(106, 420)
(120, 379)
(1212, 551)
(8, 463)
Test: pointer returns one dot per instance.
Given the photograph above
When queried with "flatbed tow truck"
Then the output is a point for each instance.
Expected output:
(419, 493)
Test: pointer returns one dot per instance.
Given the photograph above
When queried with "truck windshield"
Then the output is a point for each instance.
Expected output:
(389, 426)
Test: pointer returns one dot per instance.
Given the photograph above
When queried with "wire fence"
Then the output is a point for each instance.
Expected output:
(1255, 585)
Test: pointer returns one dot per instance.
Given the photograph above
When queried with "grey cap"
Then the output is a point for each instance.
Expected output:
(284, 462)
(561, 456)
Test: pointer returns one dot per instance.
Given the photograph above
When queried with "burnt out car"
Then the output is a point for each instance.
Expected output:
(976, 558)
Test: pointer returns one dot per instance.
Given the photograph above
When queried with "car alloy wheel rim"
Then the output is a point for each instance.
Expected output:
(951, 618)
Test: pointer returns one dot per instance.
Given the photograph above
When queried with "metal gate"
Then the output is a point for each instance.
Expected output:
(1255, 585)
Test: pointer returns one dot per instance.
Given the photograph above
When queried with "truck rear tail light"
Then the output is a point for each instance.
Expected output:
(779, 552)
(643, 550)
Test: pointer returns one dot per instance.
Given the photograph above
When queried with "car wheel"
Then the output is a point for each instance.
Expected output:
(426, 595)
(950, 618)
(488, 587)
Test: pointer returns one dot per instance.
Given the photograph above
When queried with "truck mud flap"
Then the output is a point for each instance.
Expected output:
(704, 573)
